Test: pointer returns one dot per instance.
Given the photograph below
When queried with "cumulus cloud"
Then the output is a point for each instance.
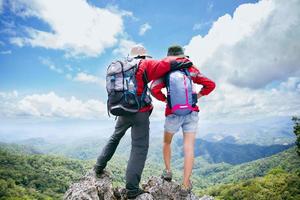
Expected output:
(254, 58)
(253, 47)
(7, 103)
(77, 27)
(9, 95)
(238, 104)
(50, 105)
(292, 84)
(144, 28)
(82, 77)
(86, 78)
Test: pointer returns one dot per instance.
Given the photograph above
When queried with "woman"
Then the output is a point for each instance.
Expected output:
(187, 122)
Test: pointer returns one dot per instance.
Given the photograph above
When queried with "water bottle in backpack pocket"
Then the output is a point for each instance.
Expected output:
(121, 88)
(181, 96)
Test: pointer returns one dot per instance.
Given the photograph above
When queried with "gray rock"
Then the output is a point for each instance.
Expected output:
(206, 197)
(91, 188)
(164, 190)
(145, 196)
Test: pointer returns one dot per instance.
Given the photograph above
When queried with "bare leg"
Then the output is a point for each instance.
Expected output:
(167, 150)
(189, 140)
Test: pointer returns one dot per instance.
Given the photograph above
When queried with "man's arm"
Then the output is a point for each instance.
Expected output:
(156, 88)
(157, 69)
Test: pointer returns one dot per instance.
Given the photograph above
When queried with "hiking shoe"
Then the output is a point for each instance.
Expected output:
(185, 191)
(98, 171)
(167, 175)
(132, 194)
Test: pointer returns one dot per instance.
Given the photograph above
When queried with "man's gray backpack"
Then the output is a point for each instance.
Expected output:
(121, 87)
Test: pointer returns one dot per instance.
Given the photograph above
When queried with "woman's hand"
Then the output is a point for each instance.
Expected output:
(199, 95)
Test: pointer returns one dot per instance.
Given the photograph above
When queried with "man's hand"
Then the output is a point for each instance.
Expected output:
(180, 65)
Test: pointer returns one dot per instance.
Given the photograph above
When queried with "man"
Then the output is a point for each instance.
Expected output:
(147, 71)
(188, 122)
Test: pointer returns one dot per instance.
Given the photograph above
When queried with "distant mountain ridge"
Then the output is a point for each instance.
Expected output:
(266, 131)
(229, 152)
(225, 150)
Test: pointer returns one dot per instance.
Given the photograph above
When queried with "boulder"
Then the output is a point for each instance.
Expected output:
(90, 187)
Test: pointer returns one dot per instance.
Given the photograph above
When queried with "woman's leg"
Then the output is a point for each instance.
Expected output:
(189, 140)
(167, 150)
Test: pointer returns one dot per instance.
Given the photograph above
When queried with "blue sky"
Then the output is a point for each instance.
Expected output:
(53, 54)
(172, 23)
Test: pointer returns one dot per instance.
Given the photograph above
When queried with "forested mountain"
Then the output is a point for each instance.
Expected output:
(223, 173)
(277, 184)
(25, 174)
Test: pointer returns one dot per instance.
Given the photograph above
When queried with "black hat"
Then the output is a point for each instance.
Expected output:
(176, 50)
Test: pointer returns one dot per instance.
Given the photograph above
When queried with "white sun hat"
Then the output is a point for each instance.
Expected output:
(138, 51)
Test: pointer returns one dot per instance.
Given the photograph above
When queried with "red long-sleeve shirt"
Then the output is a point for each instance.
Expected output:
(154, 69)
(197, 77)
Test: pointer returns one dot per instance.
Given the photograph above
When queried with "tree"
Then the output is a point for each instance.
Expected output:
(297, 132)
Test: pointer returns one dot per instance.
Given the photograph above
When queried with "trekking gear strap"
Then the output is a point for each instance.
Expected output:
(146, 89)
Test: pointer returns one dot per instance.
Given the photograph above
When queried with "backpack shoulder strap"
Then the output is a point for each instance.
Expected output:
(187, 72)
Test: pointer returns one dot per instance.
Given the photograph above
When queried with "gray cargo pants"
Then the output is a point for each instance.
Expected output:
(139, 124)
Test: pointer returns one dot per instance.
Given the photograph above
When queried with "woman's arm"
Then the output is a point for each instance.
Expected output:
(156, 87)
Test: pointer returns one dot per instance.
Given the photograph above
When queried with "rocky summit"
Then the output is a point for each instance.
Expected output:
(90, 187)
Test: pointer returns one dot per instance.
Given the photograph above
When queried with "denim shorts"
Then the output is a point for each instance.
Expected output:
(188, 123)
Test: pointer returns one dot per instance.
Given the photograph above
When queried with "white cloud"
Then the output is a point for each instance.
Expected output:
(254, 58)
(86, 78)
(158, 113)
(51, 65)
(231, 103)
(16, 41)
(7, 103)
(124, 47)
(9, 95)
(50, 105)
(77, 27)
(254, 47)
(79, 77)
(144, 28)
(292, 84)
